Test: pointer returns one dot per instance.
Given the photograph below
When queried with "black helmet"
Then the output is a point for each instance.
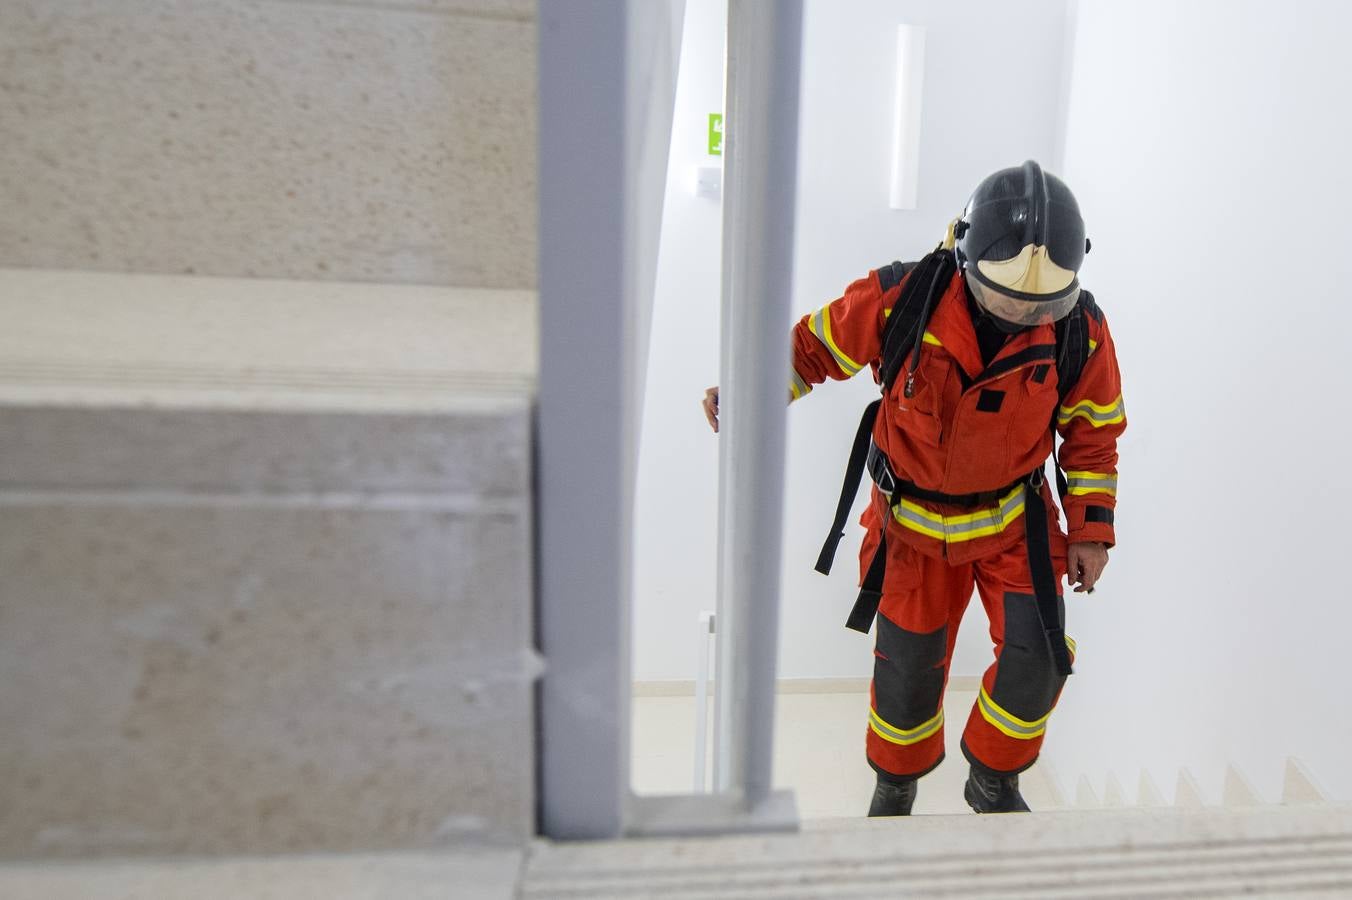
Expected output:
(1020, 243)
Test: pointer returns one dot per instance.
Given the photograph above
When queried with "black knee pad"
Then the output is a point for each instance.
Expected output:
(1026, 680)
(908, 674)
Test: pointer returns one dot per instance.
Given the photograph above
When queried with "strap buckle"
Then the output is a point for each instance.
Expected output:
(880, 470)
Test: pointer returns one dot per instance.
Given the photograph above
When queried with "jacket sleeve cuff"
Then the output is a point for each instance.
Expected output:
(1089, 522)
(1092, 532)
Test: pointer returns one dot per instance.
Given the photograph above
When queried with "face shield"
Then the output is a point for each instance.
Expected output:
(1022, 310)
(1027, 289)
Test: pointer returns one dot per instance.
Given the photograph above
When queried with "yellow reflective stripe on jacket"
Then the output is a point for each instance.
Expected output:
(1007, 722)
(904, 736)
(1070, 645)
(820, 326)
(797, 386)
(929, 336)
(1081, 483)
(966, 527)
(1097, 415)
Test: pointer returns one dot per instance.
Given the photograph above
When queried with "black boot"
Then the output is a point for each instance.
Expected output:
(893, 798)
(994, 793)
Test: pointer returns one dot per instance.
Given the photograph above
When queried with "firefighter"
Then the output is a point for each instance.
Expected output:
(974, 384)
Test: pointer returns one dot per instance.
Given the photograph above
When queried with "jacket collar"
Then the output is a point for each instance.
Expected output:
(951, 324)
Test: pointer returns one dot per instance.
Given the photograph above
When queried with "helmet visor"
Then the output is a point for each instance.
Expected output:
(1023, 310)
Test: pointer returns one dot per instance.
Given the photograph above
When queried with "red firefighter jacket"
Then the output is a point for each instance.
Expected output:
(971, 428)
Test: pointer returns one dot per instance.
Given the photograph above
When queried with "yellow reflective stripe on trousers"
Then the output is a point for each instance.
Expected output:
(966, 527)
(904, 736)
(1008, 723)
(1097, 416)
(1081, 483)
(820, 326)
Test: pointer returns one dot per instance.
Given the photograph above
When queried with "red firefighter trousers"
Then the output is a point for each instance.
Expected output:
(923, 601)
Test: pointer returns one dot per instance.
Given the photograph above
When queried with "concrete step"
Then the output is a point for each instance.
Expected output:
(1127, 853)
(1122, 853)
(464, 874)
(89, 339)
(267, 566)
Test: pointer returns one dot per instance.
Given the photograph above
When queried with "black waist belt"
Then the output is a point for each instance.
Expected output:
(866, 455)
(880, 470)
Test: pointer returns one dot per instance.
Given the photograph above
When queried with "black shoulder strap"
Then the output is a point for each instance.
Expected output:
(1072, 343)
(1072, 352)
(908, 312)
(898, 334)
(891, 275)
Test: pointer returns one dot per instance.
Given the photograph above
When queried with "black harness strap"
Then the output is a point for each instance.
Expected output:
(1043, 576)
(910, 314)
(870, 590)
(854, 472)
(1072, 342)
(900, 328)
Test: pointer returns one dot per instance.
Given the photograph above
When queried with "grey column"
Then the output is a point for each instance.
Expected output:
(760, 164)
(584, 420)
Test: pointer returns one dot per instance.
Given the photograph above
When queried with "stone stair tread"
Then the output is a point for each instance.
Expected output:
(111, 339)
(1129, 852)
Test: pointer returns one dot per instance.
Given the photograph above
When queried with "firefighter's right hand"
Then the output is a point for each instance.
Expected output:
(711, 407)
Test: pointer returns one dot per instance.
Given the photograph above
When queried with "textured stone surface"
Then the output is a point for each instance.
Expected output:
(523, 10)
(102, 338)
(264, 676)
(483, 455)
(479, 874)
(1267, 852)
(237, 620)
(391, 140)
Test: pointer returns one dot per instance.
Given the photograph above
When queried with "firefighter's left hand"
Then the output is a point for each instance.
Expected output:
(1085, 562)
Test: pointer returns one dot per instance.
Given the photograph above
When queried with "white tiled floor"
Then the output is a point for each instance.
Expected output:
(819, 752)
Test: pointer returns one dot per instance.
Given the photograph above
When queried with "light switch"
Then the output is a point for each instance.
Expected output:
(709, 182)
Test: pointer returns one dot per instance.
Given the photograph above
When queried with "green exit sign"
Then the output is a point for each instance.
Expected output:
(715, 134)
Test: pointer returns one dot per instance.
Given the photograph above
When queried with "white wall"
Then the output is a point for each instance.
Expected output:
(991, 99)
(1207, 143)
(677, 498)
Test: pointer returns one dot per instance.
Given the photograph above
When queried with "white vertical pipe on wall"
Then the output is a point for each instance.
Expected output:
(906, 116)
(760, 154)
(703, 636)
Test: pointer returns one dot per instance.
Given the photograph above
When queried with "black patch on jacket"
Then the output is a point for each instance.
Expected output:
(990, 401)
